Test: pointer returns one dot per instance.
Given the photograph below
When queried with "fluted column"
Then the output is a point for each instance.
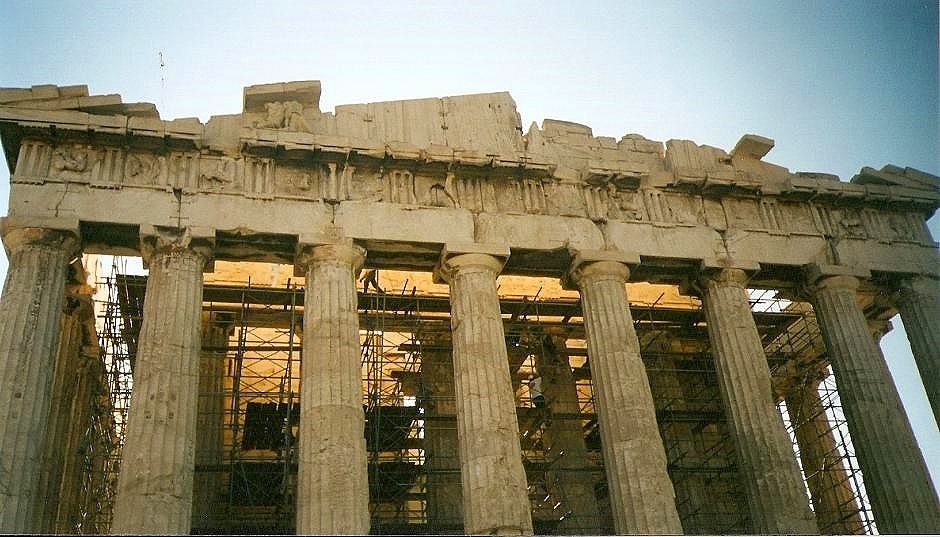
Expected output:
(210, 415)
(642, 497)
(767, 467)
(30, 313)
(89, 374)
(919, 304)
(444, 495)
(155, 486)
(332, 478)
(900, 490)
(66, 378)
(494, 482)
(565, 437)
(834, 503)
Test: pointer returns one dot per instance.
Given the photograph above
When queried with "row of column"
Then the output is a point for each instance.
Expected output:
(154, 493)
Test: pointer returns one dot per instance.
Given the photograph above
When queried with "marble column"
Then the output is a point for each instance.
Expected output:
(210, 416)
(444, 495)
(767, 467)
(332, 478)
(642, 497)
(918, 301)
(30, 313)
(834, 503)
(564, 434)
(90, 377)
(155, 485)
(900, 490)
(66, 378)
(495, 499)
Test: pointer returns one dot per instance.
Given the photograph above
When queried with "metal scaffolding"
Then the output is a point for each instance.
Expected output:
(410, 425)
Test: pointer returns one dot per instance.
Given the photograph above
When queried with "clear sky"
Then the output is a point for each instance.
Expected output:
(839, 85)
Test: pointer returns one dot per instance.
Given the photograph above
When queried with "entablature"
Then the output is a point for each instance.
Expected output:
(282, 168)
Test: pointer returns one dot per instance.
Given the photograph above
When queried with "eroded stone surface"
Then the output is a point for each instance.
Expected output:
(30, 313)
(155, 489)
(570, 476)
(896, 479)
(766, 463)
(406, 177)
(444, 492)
(332, 480)
(834, 503)
(642, 496)
(495, 498)
(919, 305)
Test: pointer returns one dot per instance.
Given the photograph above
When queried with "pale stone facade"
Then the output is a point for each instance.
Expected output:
(453, 186)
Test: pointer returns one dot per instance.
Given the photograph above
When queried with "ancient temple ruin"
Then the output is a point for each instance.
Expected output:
(418, 317)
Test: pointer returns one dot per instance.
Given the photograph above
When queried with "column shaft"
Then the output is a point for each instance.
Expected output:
(494, 484)
(919, 305)
(55, 445)
(155, 486)
(902, 496)
(834, 503)
(332, 479)
(564, 435)
(766, 463)
(74, 468)
(444, 495)
(641, 495)
(210, 416)
(30, 313)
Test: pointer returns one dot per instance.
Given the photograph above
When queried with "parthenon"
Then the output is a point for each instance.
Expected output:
(556, 333)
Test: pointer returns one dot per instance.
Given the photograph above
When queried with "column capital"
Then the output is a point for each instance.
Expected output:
(460, 256)
(18, 233)
(598, 263)
(724, 277)
(160, 240)
(343, 252)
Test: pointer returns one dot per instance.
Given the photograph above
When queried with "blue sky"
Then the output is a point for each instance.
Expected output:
(839, 85)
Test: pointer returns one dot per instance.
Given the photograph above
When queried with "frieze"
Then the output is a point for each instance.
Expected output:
(259, 177)
(183, 172)
(436, 191)
(73, 162)
(369, 185)
(479, 189)
(626, 205)
(745, 214)
(796, 218)
(144, 169)
(33, 163)
(216, 174)
(107, 170)
(300, 182)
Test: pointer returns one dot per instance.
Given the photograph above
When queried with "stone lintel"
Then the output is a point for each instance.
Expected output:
(817, 271)
(198, 238)
(305, 92)
(752, 146)
(749, 266)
